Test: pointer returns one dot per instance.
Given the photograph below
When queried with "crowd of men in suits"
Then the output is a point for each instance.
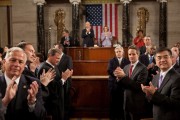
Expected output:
(148, 81)
(30, 90)
(146, 85)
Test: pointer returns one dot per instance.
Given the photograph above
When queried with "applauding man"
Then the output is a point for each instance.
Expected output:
(88, 36)
(164, 91)
(21, 94)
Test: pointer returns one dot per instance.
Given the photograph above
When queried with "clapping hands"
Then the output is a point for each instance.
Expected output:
(47, 77)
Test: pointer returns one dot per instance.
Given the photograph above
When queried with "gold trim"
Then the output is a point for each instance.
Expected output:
(5, 3)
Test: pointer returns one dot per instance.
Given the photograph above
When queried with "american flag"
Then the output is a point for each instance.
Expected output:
(101, 15)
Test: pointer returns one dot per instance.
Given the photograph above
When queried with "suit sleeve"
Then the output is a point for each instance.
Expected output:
(92, 33)
(83, 35)
(135, 84)
(171, 101)
(39, 110)
(110, 68)
(70, 63)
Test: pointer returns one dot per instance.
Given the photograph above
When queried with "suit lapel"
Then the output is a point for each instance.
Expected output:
(21, 92)
(62, 59)
(165, 80)
(3, 86)
(136, 70)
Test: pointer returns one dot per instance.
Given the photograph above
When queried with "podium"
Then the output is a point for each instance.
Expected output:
(90, 81)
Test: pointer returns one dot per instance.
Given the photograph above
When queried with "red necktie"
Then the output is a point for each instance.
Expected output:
(130, 70)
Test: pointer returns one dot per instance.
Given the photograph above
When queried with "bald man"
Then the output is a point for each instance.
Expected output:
(88, 35)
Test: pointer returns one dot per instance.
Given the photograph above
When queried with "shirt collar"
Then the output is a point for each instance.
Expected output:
(49, 63)
(164, 73)
(134, 64)
(8, 80)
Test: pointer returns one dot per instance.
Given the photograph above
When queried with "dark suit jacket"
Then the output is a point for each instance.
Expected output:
(64, 64)
(88, 39)
(2, 109)
(166, 100)
(18, 108)
(142, 50)
(70, 40)
(54, 103)
(113, 64)
(28, 72)
(144, 59)
(134, 98)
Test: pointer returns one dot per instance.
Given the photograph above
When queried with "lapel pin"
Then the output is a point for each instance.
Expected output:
(24, 86)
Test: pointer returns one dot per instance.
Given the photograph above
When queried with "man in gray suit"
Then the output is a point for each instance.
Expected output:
(131, 78)
(164, 91)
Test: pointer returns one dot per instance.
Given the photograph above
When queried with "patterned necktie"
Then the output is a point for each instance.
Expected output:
(160, 80)
(150, 59)
(177, 62)
(130, 70)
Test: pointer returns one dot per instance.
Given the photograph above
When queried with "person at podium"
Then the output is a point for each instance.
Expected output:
(88, 35)
(106, 37)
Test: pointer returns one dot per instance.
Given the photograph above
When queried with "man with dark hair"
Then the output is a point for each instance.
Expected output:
(164, 90)
(30, 52)
(64, 64)
(55, 101)
(66, 40)
(131, 78)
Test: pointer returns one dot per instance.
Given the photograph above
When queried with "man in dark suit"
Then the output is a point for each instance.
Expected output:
(88, 36)
(131, 78)
(149, 61)
(64, 64)
(21, 94)
(30, 52)
(55, 101)
(164, 91)
(116, 91)
(2, 109)
(174, 61)
(147, 43)
(66, 40)
(176, 50)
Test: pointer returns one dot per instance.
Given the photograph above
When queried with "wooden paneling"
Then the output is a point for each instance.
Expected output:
(90, 81)
(91, 53)
(90, 67)
(91, 98)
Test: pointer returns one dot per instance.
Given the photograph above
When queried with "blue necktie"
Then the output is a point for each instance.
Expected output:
(160, 80)
(151, 59)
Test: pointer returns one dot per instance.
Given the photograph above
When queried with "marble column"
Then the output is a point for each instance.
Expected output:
(40, 26)
(75, 21)
(126, 35)
(163, 23)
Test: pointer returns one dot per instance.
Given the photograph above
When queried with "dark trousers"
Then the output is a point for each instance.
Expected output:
(116, 105)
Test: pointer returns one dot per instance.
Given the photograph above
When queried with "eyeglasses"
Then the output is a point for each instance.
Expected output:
(162, 57)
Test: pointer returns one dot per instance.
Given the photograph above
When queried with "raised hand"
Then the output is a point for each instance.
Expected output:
(118, 72)
(68, 73)
(10, 92)
(47, 77)
(32, 92)
(149, 90)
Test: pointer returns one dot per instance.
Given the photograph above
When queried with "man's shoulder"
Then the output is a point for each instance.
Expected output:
(29, 79)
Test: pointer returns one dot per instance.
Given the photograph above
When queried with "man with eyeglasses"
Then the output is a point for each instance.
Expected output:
(164, 90)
